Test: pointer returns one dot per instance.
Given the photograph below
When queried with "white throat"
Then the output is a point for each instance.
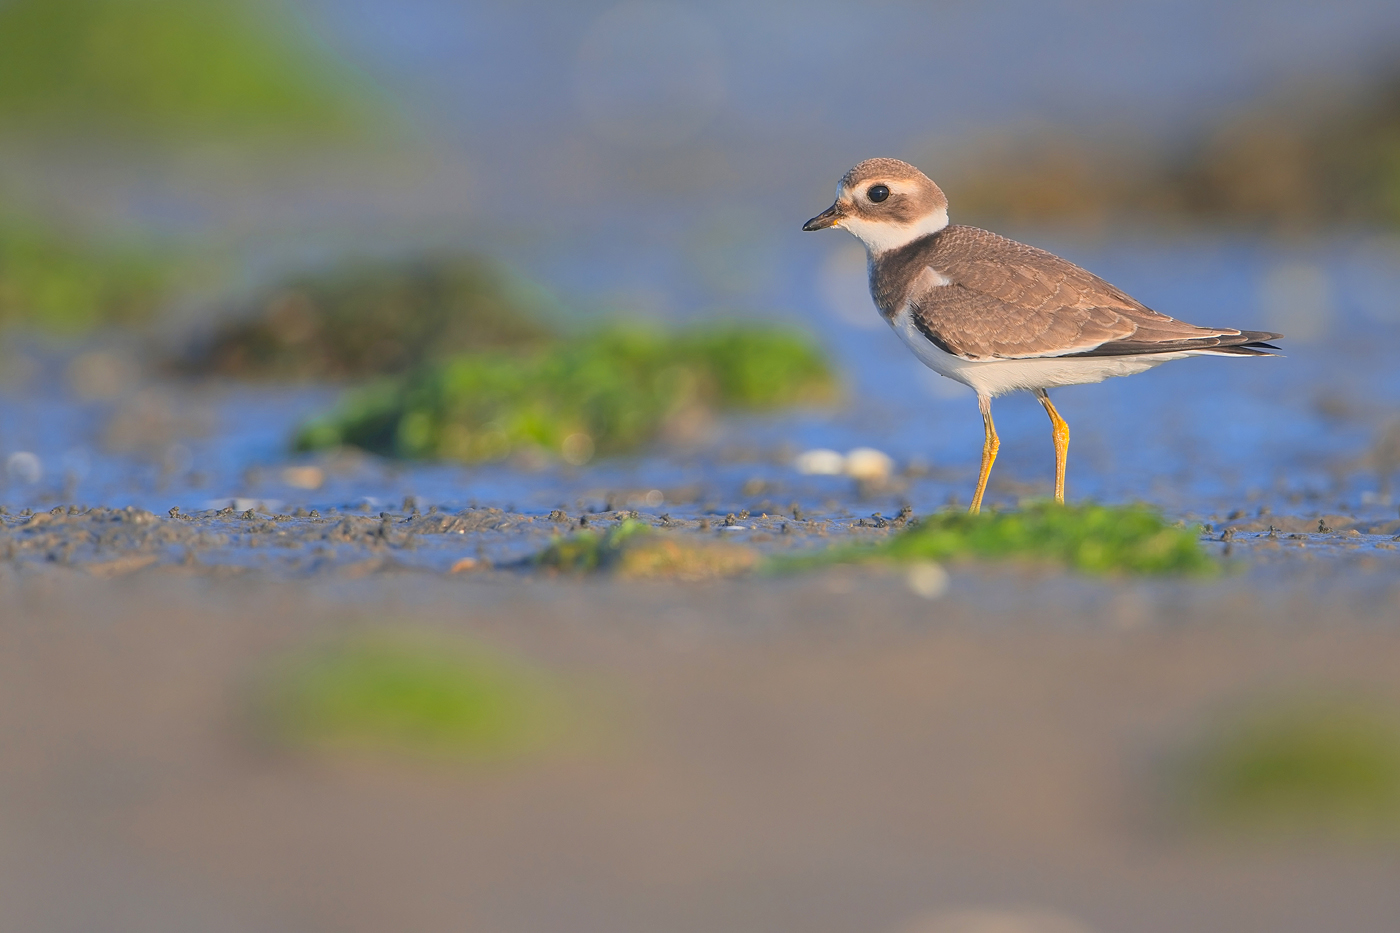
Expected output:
(881, 237)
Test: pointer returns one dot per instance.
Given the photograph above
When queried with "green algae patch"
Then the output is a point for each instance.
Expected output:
(371, 318)
(1312, 768)
(154, 70)
(632, 550)
(1089, 538)
(669, 557)
(91, 90)
(411, 695)
(589, 550)
(608, 393)
(68, 284)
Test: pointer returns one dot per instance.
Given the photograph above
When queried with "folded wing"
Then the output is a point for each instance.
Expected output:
(984, 297)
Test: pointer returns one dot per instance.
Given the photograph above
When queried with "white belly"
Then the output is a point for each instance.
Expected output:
(998, 377)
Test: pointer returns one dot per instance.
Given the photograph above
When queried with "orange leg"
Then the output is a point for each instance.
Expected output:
(990, 446)
(1061, 434)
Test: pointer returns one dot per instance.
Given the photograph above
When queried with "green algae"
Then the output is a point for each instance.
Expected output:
(633, 550)
(146, 71)
(409, 694)
(1307, 766)
(363, 318)
(66, 284)
(606, 393)
(124, 83)
(1093, 539)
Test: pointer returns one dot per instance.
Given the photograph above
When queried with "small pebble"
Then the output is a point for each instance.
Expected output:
(927, 579)
(869, 464)
(820, 462)
(304, 477)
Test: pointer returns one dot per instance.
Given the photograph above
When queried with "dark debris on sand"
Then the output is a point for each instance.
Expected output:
(112, 542)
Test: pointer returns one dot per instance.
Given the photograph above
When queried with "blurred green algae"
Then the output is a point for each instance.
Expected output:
(368, 317)
(414, 694)
(153, 71)
(1313, 766)
(100, 97)
(633, 550)
(605, 393)
(589, 550)
(67, 284)
(1094, 539)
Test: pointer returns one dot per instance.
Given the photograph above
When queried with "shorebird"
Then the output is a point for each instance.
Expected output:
(998, 315)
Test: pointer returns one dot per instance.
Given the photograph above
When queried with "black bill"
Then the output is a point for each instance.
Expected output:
(827, 218)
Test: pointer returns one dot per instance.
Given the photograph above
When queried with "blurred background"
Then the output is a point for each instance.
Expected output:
(269, 255)
(170, 172)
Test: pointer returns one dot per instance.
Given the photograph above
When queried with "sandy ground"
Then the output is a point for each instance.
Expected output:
(829, 752)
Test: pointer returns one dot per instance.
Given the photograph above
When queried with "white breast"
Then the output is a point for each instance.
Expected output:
(998, 377)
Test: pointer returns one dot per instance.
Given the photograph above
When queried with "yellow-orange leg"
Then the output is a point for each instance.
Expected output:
(990, 446)
(1060, 429)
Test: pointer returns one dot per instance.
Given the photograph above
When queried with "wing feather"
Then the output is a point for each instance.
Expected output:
(981, 296)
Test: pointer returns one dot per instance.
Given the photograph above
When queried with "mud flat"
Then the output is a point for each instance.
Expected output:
(307, 543)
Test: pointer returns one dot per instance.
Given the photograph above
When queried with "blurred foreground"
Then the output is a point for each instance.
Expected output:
(827, 754)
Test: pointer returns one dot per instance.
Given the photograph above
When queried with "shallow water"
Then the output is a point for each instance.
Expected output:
(1296, 435)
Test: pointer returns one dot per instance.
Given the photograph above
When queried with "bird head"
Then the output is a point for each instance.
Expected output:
(886, 204)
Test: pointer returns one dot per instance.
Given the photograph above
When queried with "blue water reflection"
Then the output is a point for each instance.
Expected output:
(1296, 434)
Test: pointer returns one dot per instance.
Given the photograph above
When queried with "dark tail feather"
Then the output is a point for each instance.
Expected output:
(1257, 348)
(1253, 343)
(1245, 343)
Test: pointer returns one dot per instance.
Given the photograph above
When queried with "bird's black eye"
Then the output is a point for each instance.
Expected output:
(877, 193)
